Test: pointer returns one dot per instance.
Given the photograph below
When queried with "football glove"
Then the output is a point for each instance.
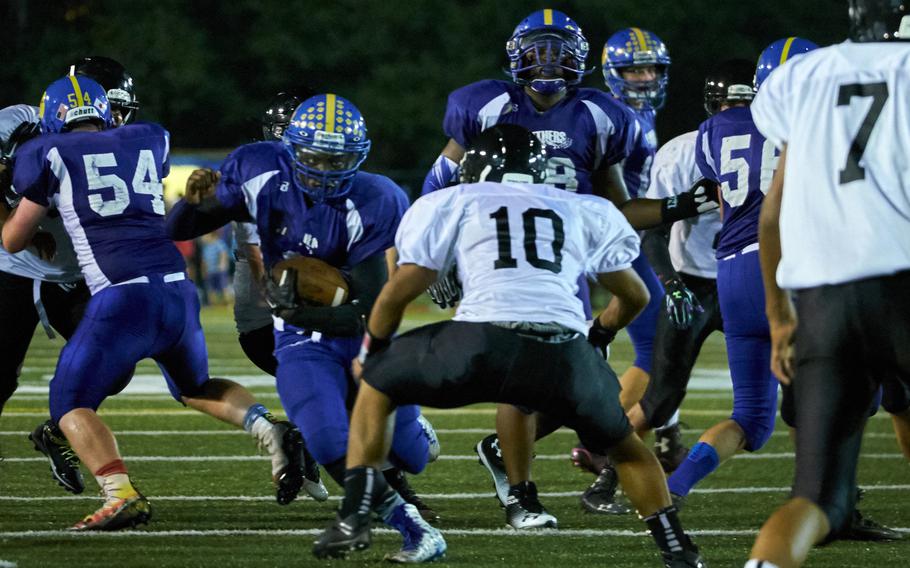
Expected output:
(446, 292)
(681, 304)
(282, 295)
(701, 198)
(601, 337)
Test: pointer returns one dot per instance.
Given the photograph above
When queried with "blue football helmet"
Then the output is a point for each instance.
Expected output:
(71, 100)
(327, 140)
(777, 54)
(634, 47)
(551, 42)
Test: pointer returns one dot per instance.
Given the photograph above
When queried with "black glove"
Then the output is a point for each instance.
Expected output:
(681, 304)
(283, 295)
(701, 198)
(446, 292)
(601, 337)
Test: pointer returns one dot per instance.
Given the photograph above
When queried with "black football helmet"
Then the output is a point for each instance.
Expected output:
(111, 75)
(504, 152)
(879, 20)
(278, 115)
(731, 81)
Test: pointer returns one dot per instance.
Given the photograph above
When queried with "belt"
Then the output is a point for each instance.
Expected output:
(170, 277)
(746, 250)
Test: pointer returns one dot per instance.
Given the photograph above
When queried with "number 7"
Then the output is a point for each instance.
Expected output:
(879, 93)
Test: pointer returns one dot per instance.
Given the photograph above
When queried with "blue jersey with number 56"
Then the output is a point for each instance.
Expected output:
(107, 188)
(732, 152)
(584, 132)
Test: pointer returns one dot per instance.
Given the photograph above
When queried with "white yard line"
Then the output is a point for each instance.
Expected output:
(443, 431)
(433, 496)
(444, 457)
(312, 532)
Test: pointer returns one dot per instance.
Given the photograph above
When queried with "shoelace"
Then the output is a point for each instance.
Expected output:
(69, 456)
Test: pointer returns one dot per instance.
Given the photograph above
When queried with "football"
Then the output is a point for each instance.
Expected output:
(318, 282)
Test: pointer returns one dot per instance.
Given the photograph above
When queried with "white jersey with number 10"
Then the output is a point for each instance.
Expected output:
(844, 113)
(520, 248)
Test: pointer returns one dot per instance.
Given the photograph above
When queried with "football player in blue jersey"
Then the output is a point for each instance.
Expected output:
(44, 283)
(308, 197)
(732, 153)
(586, 133)
(635, 65)
(106, 185)
(254, 318)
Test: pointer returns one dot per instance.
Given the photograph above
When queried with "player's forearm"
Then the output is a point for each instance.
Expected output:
(186, 221)
(367, 279)
(630, 296)
(654, 245)
(777, 303)
(408, 282)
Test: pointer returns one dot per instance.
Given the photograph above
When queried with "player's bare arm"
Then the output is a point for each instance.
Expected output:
(408, 282)
(779, 308)
(630, 296)
(21, 225)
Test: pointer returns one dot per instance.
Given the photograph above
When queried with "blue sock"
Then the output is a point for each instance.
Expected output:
(702, 460)
(252, 414)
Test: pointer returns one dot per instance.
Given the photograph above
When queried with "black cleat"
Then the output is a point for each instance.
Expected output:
(524, 509)
(312, 480)
(669, 448)
(600, 497)
(343, 536)
(289, 480)
(865, 529)
(490, 456)
(684, 559)
(48, 440)
(398, 481)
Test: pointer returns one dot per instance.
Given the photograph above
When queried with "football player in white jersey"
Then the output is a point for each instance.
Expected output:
(835, 230)
(518, 335)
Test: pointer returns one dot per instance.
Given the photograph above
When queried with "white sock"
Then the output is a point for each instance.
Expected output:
(759, 564)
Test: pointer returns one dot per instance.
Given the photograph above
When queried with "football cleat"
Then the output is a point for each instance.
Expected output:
(524, 510)
(283, 442)
(669, 448)
(861, 528)
(312, 480)
(679, 501)
(433, 448)
(398, 481)
(490, 456)
(343, 536)
(588, 460)
(117, 514)
(48, 440)
(600, 497)
(684, 559)
(422, 543)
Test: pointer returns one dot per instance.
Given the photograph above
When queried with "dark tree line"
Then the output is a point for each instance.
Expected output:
(206, 68)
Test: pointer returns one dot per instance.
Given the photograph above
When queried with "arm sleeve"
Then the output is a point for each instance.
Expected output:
(32, 178)
(442, 174)
(367, 279)
(703, 159)
(185, 221)
(429, 230)
(612, 243)
(459, 122)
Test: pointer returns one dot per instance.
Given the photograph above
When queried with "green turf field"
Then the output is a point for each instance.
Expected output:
(214, 505)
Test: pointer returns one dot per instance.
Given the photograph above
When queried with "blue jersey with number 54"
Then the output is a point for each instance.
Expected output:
(107, 188)
(584, 132)
(732, 152)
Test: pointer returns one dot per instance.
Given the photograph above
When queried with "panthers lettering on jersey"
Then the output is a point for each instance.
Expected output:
(585, 132)
(257, 183)
(107, 187)
(691, 240)
(731, 151)
(520, 248)
(636, 168)
(842, 111)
